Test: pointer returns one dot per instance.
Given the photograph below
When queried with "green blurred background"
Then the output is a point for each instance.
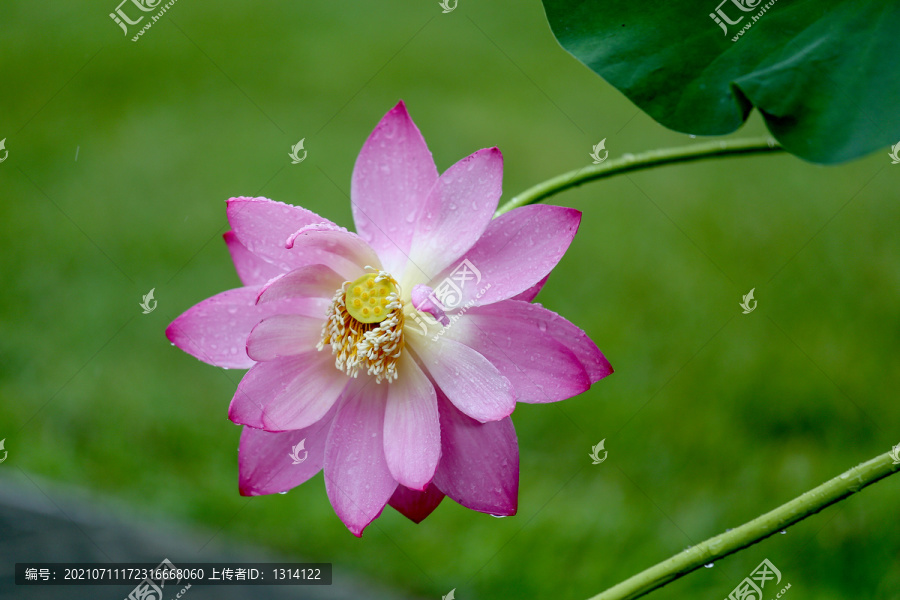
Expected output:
(711, 418)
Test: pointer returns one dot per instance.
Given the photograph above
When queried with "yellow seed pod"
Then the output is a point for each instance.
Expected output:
(366, 301)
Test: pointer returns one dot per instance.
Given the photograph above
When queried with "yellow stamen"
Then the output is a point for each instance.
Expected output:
(365, 328)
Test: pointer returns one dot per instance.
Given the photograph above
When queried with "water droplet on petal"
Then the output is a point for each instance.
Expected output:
(282, 493)
(499, 516)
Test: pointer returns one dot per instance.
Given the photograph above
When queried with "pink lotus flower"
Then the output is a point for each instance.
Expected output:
(393, 358)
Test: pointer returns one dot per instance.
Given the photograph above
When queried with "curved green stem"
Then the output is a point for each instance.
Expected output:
(756, 530)
(636, 162)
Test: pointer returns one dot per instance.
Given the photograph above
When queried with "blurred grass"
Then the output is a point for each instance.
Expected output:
(711, 418)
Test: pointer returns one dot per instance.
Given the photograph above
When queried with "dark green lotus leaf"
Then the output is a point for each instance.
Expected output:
(825, 74)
